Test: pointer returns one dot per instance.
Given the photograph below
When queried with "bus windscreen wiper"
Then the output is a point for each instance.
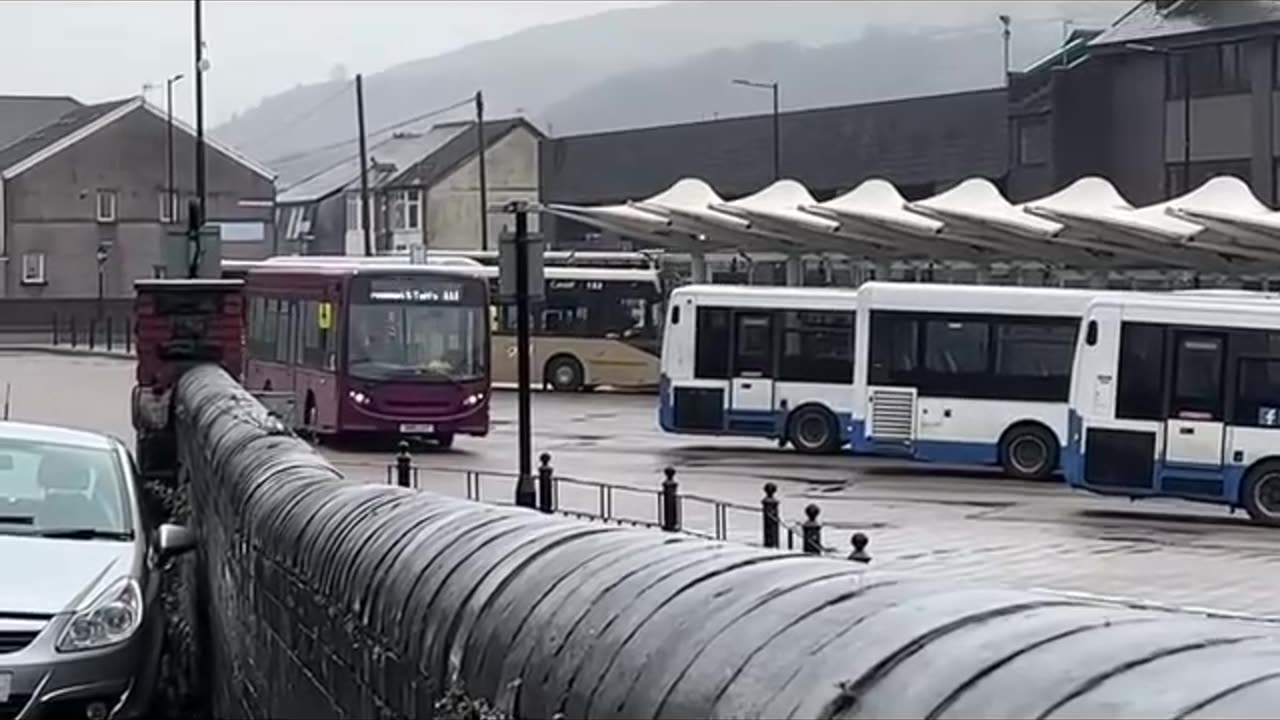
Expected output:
(85, 534)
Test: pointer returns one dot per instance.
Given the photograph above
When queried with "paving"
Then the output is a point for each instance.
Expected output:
(948, 522)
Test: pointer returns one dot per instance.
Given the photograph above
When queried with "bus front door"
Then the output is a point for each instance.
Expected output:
(1194, 427)
(752, 388)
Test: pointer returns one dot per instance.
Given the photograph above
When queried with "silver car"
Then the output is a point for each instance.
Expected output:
(81, 627)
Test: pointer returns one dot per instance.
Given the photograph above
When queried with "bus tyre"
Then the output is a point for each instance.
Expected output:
(1029, 452)
(813, 430)
(1260, 493)
(564, 374)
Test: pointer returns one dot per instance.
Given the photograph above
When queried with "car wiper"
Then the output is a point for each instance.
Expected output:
(17, 520)
(85, 534)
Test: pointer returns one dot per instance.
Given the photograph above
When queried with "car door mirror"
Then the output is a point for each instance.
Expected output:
(175, 540)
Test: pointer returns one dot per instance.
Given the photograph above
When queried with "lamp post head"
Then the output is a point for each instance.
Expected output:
(102, 255)
(176, 78)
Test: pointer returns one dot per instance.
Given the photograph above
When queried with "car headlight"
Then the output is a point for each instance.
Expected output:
(358, 397)
(472, 399)
(112, 618)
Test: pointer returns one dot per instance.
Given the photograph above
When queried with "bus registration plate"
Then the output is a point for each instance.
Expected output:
(417, 428)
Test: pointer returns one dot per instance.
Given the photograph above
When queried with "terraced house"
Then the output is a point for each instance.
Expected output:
(84, 205)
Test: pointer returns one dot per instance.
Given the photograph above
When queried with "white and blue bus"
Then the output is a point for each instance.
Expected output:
(766, 362)
(1175, 397)
(965, 374)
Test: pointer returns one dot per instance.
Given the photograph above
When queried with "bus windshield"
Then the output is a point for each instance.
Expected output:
(402, 341)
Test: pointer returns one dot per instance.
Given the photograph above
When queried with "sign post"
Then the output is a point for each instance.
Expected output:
(520, 280)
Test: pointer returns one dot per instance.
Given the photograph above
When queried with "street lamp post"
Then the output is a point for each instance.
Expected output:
(772, 86)
(1185, 71)
(102, 284)
(169, 200)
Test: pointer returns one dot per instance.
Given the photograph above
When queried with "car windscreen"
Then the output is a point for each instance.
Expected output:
(50, 487)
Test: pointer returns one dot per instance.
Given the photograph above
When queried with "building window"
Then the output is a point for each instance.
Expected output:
(106, 206)
(168, 205)
(1214, 69)
(353, 212)
(1033, 140)
(406, 210)
(1201, 172)
(33, 269)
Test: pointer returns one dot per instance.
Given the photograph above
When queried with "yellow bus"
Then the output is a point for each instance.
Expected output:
(595, 326)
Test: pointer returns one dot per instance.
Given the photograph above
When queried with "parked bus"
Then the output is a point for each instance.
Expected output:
(1173, 397)
(966, 374)
(595, 326)
(769, 362)
(401, 351)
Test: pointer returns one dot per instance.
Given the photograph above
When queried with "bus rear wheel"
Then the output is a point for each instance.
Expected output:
(813, 430)
(1029, 452)
(1260, 493)
(564, 374)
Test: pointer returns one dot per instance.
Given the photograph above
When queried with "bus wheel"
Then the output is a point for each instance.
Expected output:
(1260, 494)
(813, 430)
(564, 374)
(1029, 452)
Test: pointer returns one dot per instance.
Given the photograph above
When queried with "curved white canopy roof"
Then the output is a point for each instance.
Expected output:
(1220, 226)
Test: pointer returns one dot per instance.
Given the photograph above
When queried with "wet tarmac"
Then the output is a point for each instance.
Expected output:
(957, 523)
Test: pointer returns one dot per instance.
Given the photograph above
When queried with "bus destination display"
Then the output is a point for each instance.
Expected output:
(416, 291)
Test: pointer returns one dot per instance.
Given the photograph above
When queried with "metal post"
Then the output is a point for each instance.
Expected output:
(171, 202)
(670, 501)
(1006, 35)
(526, 495)
(546, 484)
(404, 465)
(859, 554)
(777, 163)
(93, 331)
(109, 334)
(364, 169)
(769, 515)
(200, 180)
(811, 531)
(1186, 121)
(73, 331)
(128, 335)
(484, 189)
(55, 328)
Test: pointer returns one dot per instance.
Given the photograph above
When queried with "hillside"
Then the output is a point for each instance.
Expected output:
(672, 62)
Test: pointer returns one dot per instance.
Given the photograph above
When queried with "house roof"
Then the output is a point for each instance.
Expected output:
(1151, 20)
(81, 122)
(420, 159)
(21, 115)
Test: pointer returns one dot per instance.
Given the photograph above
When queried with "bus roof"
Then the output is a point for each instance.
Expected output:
(767, 295)
(353, 270)
(1192, 310)
(343, 265)
(1007, 299)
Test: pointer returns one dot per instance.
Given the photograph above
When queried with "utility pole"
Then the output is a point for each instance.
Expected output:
(1006, 35)
(170, 201)
(484, 190)
(525, 493)
(1185, 59)
(777, 154)
(364, 169)
(200, 68)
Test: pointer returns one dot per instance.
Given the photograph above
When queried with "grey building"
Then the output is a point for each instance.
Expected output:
(920, 144)
(424, 190)
(84, 207)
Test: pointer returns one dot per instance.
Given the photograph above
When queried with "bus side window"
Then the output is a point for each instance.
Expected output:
(1091, 334)
(675, 314)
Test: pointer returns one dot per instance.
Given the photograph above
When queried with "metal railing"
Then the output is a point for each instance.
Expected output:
(95, 333)
(673, 510)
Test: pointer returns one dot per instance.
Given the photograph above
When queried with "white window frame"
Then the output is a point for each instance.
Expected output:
(402, 201)
(113, 200)
(37, 278)
(168, 206)
(355, 219)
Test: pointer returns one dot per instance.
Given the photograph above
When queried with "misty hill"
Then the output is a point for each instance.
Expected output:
(583, 75)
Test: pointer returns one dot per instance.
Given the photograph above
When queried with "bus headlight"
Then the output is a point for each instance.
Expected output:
(358, 397)
(112, 618)
(473, 399)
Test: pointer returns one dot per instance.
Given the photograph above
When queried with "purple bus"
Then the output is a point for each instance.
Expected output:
(393, 351)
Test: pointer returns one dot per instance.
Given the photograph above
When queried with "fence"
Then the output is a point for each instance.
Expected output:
(670, 506)
(107, 333)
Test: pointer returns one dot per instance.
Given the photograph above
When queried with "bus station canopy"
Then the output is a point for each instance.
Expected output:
(1218, 227)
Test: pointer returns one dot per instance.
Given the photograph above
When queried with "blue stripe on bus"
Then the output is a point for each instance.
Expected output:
(769, 424)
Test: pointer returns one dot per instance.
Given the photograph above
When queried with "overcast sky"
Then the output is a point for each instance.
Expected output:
(103, 49)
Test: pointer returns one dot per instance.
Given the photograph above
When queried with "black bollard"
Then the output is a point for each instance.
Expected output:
(859, 554)
(670, 501)
(55, 329)
(546, 484)
(93, 332)
(811, 531)
(404, 465)
(769, 515)
(128, 335)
